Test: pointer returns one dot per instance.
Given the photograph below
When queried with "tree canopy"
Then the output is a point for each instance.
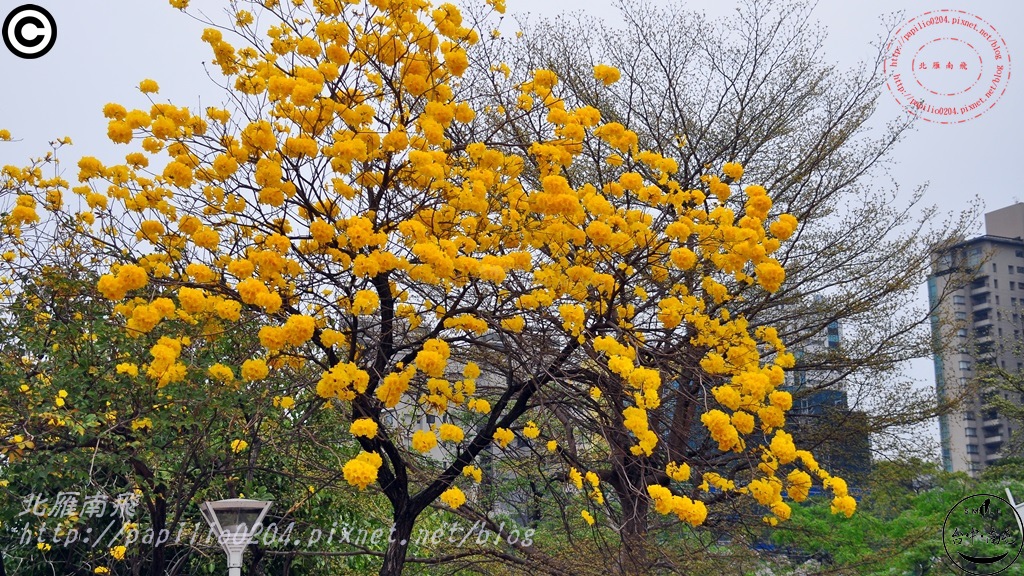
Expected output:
(440, 260)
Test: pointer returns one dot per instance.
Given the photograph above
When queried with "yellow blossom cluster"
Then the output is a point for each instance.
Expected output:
(424, 441)
(503, 436)
(334, 208)
(474, 472)
(363, 427)
(451, 433)
(693, 512)
(361, 471)
(343, 381)
(453, 497)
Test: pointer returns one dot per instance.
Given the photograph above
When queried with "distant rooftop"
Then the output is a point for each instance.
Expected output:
(1006, 222)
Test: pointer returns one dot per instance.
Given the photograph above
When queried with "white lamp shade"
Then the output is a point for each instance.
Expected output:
(235, 516)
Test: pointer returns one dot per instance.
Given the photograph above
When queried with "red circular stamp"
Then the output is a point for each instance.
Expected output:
(947, 66)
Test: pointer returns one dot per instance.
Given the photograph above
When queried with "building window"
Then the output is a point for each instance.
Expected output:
(995, 283)
(1011, 269)
(969, 416)
(961, 315)
(994, 267)
(970, 432)
(959, 299)
(1020, 253)
(965, 365)
(962, 333)
(1020, 269)
(972, 448)
(1013, 285)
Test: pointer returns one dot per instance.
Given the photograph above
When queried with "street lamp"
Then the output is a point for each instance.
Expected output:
(1017, 507)
(234, 522)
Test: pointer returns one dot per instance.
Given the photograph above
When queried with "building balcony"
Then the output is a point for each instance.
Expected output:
(994, 439)
(979, 290)
(984, 336)
(993, 457)
(992, 422)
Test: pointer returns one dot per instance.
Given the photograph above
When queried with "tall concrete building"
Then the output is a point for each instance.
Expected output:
(980, 283)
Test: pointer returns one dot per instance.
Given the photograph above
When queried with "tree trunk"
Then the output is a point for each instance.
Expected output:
(629, 485)
(159, 564)
(633, 556)
(398, 544)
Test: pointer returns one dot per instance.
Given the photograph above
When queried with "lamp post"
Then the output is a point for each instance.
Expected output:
(234, 522)
(1019, 508)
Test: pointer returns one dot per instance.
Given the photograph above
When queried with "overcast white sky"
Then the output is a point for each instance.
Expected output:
(105, 47)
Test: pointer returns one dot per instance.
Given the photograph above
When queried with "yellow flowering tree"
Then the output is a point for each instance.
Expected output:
(764, 92)
(759, 92)
(348, 201)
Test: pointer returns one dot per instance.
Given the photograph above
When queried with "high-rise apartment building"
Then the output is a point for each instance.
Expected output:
(821, 416)
(980, 284)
